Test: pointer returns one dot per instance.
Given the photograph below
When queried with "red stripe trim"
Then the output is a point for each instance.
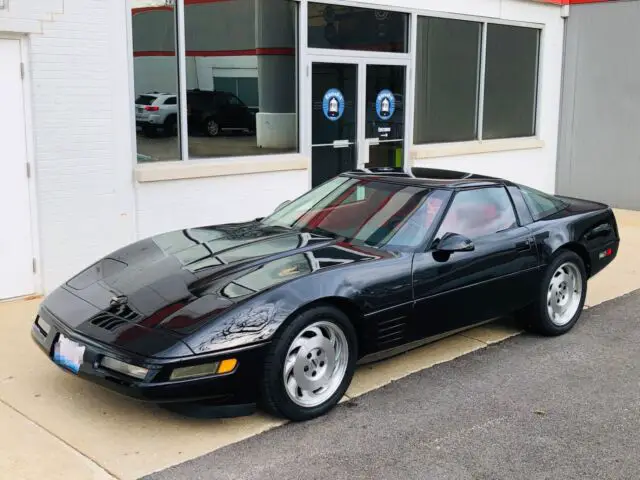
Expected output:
(218, 53)
(574, 2)
(135, 11)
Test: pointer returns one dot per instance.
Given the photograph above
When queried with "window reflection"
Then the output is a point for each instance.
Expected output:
(155, 80)
(353, 28)
(285, 269)
(363, 211)
(241, 77)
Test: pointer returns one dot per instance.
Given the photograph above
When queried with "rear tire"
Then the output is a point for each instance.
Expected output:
(561, 298)
(310, 364)
(170, 126)
(212, 128)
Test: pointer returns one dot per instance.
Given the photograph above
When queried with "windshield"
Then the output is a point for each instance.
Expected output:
(366, 211)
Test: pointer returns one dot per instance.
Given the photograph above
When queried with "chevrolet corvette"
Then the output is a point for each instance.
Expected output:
(278, 311)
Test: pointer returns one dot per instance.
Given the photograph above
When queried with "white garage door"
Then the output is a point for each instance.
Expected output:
(16, 271)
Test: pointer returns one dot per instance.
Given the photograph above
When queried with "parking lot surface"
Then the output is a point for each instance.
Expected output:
(527, 408)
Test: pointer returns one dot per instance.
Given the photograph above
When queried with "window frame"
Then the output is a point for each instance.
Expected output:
(479, 119)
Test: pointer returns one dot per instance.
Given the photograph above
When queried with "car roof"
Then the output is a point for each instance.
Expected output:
(430, 177)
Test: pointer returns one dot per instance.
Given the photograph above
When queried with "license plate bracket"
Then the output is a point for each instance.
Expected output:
(68, 354)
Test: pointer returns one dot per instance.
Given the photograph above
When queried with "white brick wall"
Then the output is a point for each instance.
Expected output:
(177, 204)
(78, 69)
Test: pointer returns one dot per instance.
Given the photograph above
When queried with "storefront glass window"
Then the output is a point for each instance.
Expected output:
(353, 28)
(447, 77)
(450, 103)
(511, 81)
(240, 75)
(155, 80)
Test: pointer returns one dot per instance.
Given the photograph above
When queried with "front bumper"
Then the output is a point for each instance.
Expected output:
(239, 388)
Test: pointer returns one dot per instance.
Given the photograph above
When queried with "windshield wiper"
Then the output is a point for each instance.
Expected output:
(321, 231)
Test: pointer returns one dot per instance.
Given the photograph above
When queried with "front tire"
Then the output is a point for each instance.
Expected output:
(561, 298)
(310, 364)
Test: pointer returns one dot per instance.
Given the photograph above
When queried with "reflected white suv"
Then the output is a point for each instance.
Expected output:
(157, 112)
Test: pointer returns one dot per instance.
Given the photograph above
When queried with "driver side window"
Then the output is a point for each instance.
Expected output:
(479, 212)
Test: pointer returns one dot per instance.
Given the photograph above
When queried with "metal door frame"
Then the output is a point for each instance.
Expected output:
(361, 62)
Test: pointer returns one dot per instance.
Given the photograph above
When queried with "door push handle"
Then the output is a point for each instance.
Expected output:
(341, 143)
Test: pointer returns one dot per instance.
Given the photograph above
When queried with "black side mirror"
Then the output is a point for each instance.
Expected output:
(453, 242)
(282, 205)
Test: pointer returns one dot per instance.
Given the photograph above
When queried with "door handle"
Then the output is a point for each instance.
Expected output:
(340, 143)
(524, 246)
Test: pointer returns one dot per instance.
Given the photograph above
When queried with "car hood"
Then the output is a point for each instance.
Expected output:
(179, 280)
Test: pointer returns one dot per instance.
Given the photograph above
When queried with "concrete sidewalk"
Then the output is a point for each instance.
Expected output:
(88, 432)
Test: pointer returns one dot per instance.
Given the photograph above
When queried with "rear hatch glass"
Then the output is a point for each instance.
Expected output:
(145, 100)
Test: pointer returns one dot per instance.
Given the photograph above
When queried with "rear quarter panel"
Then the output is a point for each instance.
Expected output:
(588, 228)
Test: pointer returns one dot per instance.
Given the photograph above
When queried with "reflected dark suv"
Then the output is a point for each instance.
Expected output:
(213, 112)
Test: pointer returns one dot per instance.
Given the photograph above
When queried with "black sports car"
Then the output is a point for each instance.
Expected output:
(279, 310)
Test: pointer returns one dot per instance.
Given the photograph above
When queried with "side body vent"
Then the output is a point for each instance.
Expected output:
(391, 332)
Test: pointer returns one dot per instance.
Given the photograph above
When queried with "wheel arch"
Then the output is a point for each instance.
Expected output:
(581, 251)
(345, 305)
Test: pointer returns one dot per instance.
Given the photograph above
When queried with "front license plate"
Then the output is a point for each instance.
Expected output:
(68, 353)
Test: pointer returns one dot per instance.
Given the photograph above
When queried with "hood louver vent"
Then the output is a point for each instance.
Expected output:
(115, 317)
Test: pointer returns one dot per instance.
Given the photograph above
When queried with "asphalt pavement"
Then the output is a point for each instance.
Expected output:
(528, 408)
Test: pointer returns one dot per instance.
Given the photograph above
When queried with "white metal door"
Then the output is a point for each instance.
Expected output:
(16, 271)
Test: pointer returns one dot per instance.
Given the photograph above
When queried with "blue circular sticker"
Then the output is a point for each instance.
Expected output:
(333, 104)
(385, 104)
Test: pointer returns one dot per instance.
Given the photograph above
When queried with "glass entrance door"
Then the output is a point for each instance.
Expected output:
(334, 103)
(357, 116)
(385, 116)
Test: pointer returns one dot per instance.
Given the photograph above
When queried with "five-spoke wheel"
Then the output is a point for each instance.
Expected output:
(562, 295)
(310, 364)
(316, 363)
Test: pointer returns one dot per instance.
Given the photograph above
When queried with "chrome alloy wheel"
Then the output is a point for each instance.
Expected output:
(564, 294)
(316, 364)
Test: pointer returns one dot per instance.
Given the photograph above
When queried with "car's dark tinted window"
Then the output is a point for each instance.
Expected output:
(145, 100)
(524, 214)
(540, 204)
(221, 100)
(480, 212)
(170, 101)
